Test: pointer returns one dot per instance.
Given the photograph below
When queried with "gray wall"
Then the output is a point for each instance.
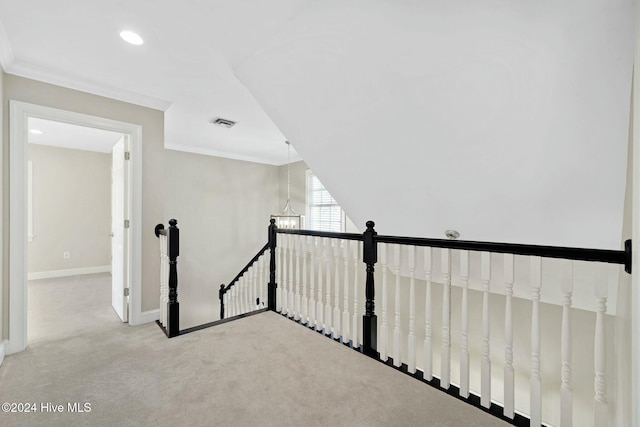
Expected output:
(71, 208)
(152, 122)
(222, 207)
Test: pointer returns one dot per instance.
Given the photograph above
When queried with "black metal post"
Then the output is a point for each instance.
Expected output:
(271, 297)
(221, 293)
(370, 320)
(173, 306)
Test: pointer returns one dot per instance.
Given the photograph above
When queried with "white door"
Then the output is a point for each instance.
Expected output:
(119, 234)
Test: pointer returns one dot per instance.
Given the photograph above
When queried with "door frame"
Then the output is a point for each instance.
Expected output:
(19, 113)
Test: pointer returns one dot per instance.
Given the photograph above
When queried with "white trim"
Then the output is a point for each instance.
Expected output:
(3, 352)
(30, 235)
(19, 112)
(36, 72)
(225, 154)
(149, 316)
(69, 272)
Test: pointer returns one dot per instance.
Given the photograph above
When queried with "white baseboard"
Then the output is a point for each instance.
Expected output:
(149, 316)
(2, 351)
(69, 272)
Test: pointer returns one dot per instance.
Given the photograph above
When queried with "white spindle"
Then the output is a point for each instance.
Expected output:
(290, 307)
(261, 281)
(285, 273)
(396, 328)
(464, 325)
(327, 277)
(312, 241)
(508, 337)
(320, 305)
(384, 332)
(234, 302)
(337, 332)
(445, 380)
(411, 342)
(304, 301)
(297, 300)
(345, 305)
(485, 373)
(566, 386)
(536, 379)
(428, 355)
(279, 268)
(250, 298)
(164, 279)
(356, 265)
(240, 286)
(600, 405)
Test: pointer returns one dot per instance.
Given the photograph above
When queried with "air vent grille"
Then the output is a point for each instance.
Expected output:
(219, 121)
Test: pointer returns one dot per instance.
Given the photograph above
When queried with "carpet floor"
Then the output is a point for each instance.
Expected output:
(263, 370)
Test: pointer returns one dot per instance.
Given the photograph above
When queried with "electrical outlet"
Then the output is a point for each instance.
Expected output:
(66, 255)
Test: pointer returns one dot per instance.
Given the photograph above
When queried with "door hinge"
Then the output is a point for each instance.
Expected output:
(126, 223)
(126, 292)
(127, 155)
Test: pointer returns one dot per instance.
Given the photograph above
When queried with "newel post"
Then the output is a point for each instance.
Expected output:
(221, 293)
(370, 320)
(271, 297)
(173, 306)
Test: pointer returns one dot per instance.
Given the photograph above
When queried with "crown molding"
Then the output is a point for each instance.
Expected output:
(219, 153)
(35, 72)
(6, 52)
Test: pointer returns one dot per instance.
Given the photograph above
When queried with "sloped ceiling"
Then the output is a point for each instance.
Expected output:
(505, 120)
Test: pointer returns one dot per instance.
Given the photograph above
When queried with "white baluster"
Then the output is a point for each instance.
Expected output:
(384, 330)
(345, 304)
(445, 369)
(485, 374)
(327, 303)
(304, 301)
(411, 343)
(464, 325)
(164, 280)
(508, 337)
(396, 328)
(566, 386)
(240, 295)
(356, 312)
(233, 306)
(536, 379)
(320, 305)
(290, 307)
(337, 332)
(279, 268)
(312, 244)
(296, 306)
(600, 404)
(261, 282)
(283, 283)
(428, 355)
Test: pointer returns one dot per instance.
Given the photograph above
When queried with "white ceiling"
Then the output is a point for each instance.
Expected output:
(72, 136)
(185, 66)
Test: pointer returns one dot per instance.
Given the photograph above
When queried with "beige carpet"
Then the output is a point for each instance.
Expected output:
(263, 370)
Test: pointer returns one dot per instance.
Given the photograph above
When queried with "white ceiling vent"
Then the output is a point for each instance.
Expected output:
(223, 122)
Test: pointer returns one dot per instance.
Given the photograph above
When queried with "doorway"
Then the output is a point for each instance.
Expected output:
(20, 114)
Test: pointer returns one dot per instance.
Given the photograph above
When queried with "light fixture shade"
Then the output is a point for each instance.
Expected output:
(289, 218)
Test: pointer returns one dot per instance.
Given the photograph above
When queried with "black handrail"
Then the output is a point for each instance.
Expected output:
(224, 289)
(246, 267)
(581, 254)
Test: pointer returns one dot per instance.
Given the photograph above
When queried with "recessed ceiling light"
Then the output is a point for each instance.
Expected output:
(35, 132)
(131, 37)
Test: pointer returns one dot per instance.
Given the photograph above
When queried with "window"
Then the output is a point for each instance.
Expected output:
(323, 213)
